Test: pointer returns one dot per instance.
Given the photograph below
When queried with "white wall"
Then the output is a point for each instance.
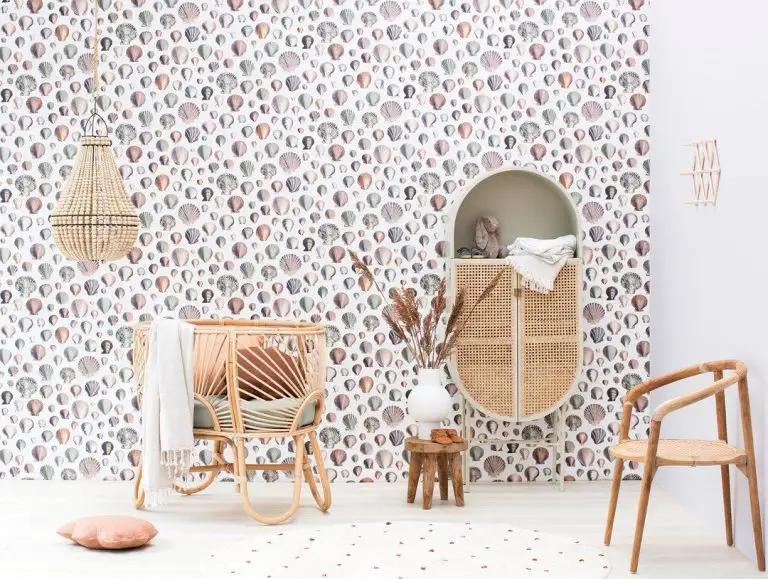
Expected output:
(709, 272)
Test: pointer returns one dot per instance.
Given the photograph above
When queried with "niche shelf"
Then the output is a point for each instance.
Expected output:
(526, 203)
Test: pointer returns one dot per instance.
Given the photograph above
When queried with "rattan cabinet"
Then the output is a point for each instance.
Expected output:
(521, 352)
(519, 355)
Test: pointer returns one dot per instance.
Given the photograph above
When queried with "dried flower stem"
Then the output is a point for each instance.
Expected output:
(420, 335)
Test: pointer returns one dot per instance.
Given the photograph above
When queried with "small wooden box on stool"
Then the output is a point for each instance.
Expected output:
(429, 457)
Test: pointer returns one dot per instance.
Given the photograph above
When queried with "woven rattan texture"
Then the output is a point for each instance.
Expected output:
(554, 314)
(488, 374)
(550, 336)
(494, 318)
(682, 452)
(269, 364)
(486, 356)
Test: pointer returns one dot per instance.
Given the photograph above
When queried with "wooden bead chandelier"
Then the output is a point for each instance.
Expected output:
(94, 219)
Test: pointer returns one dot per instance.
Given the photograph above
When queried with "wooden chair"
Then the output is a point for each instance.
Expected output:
(655, 452)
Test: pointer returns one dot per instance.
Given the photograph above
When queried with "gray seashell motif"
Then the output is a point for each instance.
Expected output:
(256, 149)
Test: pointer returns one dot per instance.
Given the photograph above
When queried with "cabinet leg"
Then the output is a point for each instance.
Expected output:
(561, 447)
(466, 432)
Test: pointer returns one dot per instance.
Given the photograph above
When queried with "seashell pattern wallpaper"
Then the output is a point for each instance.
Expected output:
(259, 139)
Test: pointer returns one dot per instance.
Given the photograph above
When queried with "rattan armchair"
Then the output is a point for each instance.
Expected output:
(656, 452)
(252, 379)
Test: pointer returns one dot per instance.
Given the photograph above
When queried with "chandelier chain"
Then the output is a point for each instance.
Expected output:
(95, 52)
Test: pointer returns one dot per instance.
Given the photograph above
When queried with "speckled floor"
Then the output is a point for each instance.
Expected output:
(194, 528)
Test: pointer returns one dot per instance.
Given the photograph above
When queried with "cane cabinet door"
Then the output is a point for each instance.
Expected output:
(550, 342)
(486, 354)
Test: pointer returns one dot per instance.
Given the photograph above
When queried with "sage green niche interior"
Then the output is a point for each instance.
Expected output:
(525, 203)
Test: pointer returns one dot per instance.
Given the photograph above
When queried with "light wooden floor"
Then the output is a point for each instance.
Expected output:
(676, 544)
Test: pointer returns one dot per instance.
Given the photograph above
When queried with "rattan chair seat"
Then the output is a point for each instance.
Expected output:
(682, 452)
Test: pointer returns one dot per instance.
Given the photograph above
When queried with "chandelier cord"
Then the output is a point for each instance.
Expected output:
(93, 131)
(95, 51)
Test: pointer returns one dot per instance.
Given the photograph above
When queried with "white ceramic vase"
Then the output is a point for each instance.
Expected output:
(429, 402)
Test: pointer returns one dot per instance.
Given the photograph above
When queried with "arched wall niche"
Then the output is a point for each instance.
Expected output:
(526, 203)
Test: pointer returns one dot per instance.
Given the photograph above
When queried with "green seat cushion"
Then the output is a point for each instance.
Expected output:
(253, 410)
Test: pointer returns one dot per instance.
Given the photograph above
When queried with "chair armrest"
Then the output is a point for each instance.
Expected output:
(659, 381)
(317, 397)
(687, 399)
(717, 367)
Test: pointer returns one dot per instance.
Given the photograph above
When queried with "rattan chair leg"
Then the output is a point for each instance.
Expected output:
(618, 469)
(242, 480)
(236, 467)
(207, 481)
(323, 501)
(210, 477)
(138, 492)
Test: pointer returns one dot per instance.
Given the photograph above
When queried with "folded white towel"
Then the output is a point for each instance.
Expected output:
(168, 406)
(539, 261)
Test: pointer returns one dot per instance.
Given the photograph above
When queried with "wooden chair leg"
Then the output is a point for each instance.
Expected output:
(414, 472)
(645, 492)
(725, 478)
(442, 476)
(751, 472)
(428, 480)
(642, 510)
(757, 526)
(618, 469)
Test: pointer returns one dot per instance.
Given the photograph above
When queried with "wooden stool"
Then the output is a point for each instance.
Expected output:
(430, 457)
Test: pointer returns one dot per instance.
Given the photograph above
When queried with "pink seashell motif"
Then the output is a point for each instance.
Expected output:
(258, 143)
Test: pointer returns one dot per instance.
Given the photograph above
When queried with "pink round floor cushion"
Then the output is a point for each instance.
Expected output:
(109, 532)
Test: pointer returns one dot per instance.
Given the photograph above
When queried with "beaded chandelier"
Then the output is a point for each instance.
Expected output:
(94, 219)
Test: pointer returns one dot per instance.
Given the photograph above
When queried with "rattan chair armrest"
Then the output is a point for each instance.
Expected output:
(318, 397)
(211, 410)
(692, 397)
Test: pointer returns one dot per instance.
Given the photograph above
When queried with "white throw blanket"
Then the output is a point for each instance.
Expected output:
(168, 405)
(539, 261)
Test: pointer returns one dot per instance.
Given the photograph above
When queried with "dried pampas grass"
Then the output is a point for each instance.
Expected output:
(420, 333)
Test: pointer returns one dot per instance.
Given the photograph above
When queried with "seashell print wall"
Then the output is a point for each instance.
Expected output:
(258, 140)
